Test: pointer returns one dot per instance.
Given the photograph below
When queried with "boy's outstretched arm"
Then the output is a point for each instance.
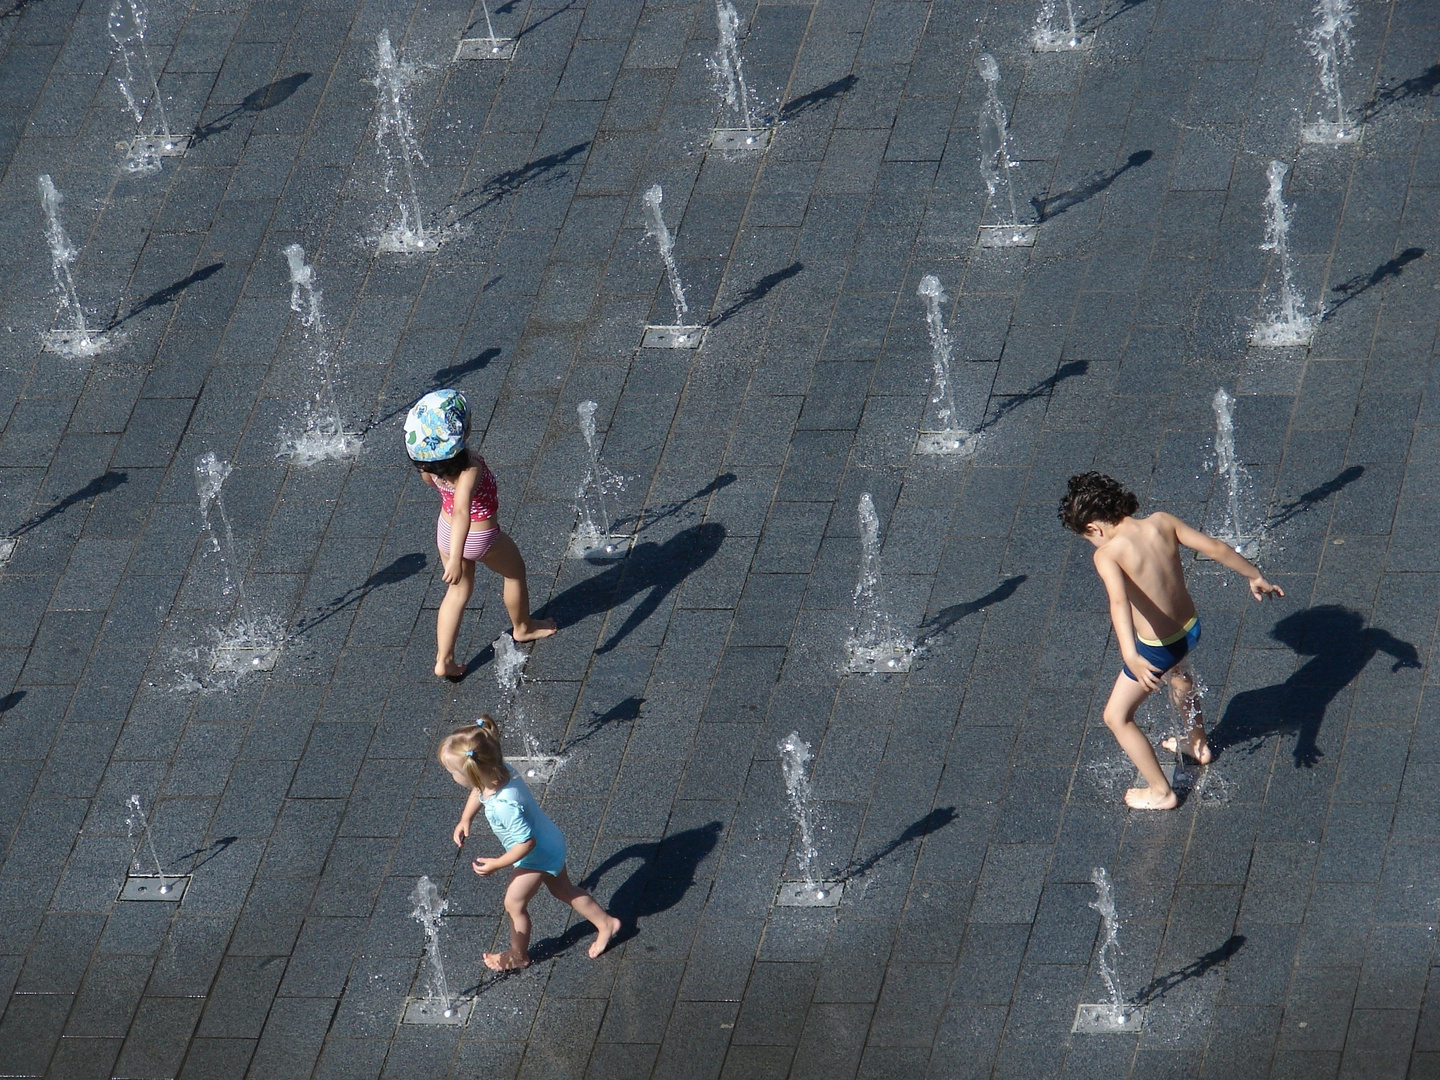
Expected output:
(1225, 555)
(1405, 654)
(1122, 620)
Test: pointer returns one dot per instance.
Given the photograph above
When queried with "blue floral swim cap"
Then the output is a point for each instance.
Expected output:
(437, 425)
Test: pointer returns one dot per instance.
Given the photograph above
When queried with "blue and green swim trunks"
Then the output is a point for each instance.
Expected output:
(1165, 654)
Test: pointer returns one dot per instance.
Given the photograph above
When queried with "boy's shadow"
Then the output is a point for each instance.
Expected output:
(656, 567)
(1340, 645)
(665, 874)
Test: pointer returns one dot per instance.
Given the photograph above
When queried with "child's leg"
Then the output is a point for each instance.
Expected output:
(524, 884)
(447, 620)
(1125, 698)
(1185, 696)
(504, 558)
(584, 904)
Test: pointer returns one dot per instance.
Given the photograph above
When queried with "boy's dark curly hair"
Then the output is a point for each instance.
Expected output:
(1094, 496)
(446, 468)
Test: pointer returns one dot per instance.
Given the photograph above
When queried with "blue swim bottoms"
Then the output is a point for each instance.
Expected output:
(1164, 655)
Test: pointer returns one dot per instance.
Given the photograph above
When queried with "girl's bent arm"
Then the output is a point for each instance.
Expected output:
(484, 867)
(515, 854)
(460, 517)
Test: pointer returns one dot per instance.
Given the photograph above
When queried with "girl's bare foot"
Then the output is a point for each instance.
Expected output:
(509, 960)
(602, 942)
(1144, 798)
(1196, 746)
(534, 630)
(449, 669)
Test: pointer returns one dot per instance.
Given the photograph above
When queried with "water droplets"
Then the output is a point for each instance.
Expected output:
(1290, 324)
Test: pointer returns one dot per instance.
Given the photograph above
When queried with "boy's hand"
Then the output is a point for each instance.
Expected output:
(1144, 674)
(452, 573)
(461, 833)
(486, 867)
(1259, 587)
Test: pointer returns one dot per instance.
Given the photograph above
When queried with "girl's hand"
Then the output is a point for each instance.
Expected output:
(461, 833)
(452, 572)
(486, 867)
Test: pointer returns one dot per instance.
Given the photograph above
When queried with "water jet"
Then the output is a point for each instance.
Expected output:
(995, 164)
(489, 47)
(679, 335)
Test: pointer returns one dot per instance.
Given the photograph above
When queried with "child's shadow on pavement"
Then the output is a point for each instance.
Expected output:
(1340, 645)
(665, 874)
(657, 567)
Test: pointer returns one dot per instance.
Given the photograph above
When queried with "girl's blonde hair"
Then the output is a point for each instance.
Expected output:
(475, 750)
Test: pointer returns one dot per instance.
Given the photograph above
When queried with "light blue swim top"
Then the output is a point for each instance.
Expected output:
(515, 817)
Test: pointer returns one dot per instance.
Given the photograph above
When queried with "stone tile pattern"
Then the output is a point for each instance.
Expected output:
(1283, 929)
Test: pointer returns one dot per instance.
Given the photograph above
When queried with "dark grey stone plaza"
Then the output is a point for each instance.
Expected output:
(782, 326)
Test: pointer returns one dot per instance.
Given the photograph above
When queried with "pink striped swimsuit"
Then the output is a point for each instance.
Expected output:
(484, 505)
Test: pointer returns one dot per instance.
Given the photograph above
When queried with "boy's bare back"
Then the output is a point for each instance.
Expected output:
(1147, 551)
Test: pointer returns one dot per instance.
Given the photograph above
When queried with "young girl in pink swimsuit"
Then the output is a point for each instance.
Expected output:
(435, 432)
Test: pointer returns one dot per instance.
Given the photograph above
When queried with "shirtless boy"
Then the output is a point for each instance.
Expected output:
(1154, 617)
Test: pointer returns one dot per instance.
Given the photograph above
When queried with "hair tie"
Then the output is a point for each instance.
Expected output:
(470, 753)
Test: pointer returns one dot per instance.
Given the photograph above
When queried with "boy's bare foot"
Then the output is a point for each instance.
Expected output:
(509, 960)
(534, 630)
(449, 669)
(1196, 746)
(1144, 798)
(602, 942)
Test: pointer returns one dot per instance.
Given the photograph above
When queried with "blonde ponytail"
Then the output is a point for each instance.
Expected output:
(475, 751)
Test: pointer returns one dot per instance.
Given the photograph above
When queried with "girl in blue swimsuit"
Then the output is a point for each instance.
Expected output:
(534, 847)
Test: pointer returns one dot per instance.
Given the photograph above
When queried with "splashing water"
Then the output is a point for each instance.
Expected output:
(141, 90)
(1047, 37)
(400, 151)
(875, 645)
(324, 437)
(1233, 527)
(729, 75)
(429, 911)
(942, 397)
(1189, 777)
(655, 226)
(795, 759)
(1109, 773)
(210, 476)
(594, 524)
(1104, 903)
(510, 662)
(1290, 325)
(1212, 788)
(1172, 713)
(1329, 43)
(995, 163)
(135, 819)
(248, 641)
(75, 340)
(939, 432)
